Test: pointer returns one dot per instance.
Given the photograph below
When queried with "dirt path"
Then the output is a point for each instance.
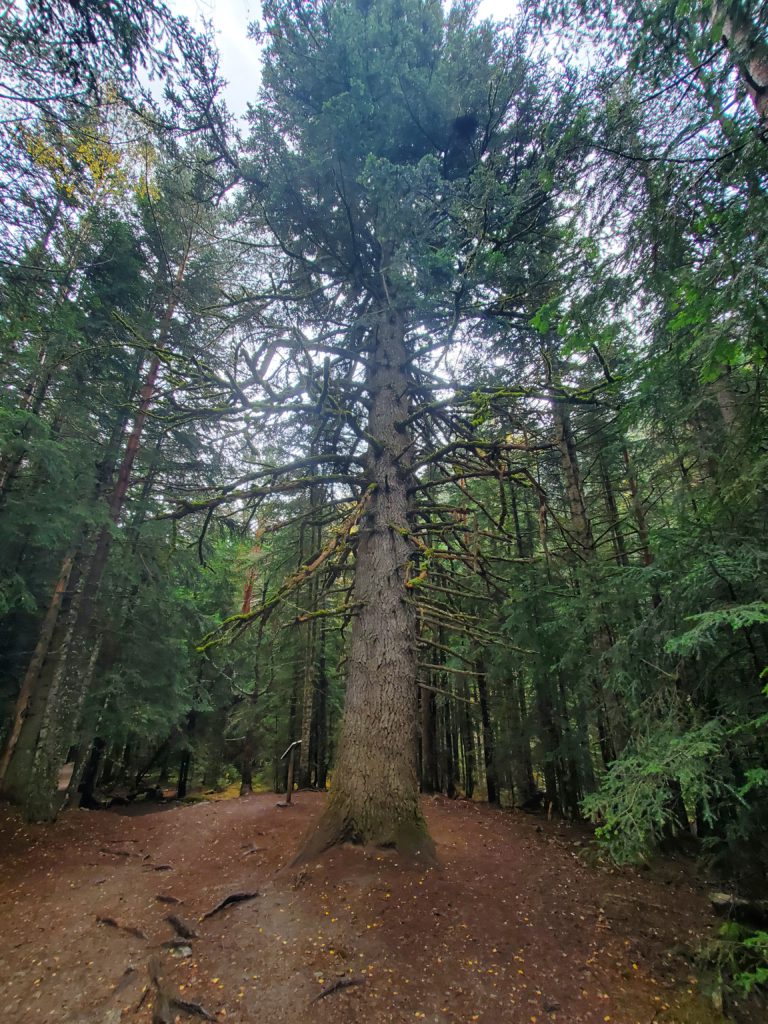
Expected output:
(514, 927)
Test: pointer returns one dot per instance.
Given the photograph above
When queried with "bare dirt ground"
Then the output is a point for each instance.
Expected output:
(514, 927)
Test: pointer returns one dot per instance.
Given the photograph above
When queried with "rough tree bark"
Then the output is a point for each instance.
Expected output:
(308, 697)
(749, 53)
(375, 795)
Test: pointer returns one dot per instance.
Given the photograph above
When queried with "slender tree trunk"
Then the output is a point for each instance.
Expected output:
(570, 776)
(464, 715)
(581, 525)
(124, 768)
(549, 736)
(677, 816)
(619, 547)
(33, 695)
(40, 797)
(246, 763)
(516, 520)
(103, 652)
(638, 510)
(35, 391)
(308, 698)
(19, 771)
(321, 716)
(449, 759)
(306, 750)
(375, 796)
(214, 760)
(165, 766)
(111, 766)
(184, 765)
(292, 707)
(523, 783)
(91, 774)
(587, 768)
(428, 741)
(489, 746)
(616, 718)
(36, 663)
(75, 658)
(727, 402)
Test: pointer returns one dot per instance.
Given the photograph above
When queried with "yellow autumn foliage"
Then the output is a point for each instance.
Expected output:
(83, 164)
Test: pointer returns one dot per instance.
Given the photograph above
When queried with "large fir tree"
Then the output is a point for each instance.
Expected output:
(397, 152)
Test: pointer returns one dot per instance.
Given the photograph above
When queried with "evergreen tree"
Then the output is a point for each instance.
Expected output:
(396, 150)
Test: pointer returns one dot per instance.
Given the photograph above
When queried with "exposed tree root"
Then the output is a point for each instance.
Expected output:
(181, 927)
(335, 986)
(166, 1004)
(110, 922)
(234, 897)
(336, 825)
(125, 980)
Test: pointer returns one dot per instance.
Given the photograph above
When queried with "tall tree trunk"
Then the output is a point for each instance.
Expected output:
(523, 782)
(466, 728)
(727, 401)
(30, 704)
(308, 697)
(246, 763)
(292, 708)
(308, 701)
(214, 753)
(428, 741)
(581, 525)
(586, 550)
(19, 771)
(638, 510)
(75, 658)
(375, 796)
(321, 715)
(183, 783)
(104, 652)
(489, 747)
(36, 663)
(549, 737)
(449, 756)
(619, 547)
(91, 774)
(570, 776)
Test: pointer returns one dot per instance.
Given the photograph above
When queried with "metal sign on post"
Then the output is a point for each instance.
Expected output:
(290, 753)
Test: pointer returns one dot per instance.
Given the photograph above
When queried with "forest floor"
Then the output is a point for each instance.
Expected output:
(518, 924)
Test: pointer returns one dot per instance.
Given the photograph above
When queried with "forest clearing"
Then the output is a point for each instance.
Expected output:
(384, 426)
(515, 926)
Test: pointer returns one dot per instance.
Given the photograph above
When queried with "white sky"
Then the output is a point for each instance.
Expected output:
(240, 55)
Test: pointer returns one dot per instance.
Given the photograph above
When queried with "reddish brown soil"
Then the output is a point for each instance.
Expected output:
(514, 927)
